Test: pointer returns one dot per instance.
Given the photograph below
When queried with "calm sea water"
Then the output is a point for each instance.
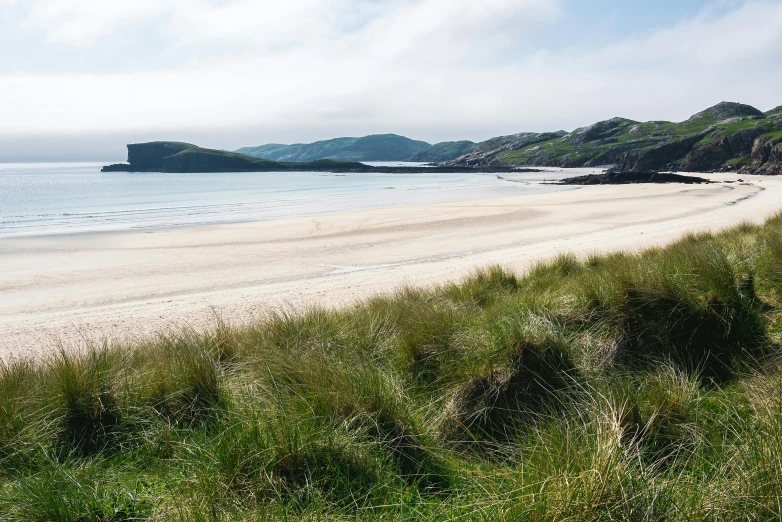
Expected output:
(76, 197)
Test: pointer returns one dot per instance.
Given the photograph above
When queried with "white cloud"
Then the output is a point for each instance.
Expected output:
(261, 23)
(85, 21)
(445, 66)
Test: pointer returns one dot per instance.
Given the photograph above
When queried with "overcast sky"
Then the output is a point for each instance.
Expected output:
(80, 78)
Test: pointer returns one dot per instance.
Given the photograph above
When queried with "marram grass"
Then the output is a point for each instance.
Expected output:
(619, 387)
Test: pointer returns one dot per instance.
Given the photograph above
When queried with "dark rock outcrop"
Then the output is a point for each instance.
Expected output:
(716, 153)
(626, 178)
(659, 157)
(766, 156)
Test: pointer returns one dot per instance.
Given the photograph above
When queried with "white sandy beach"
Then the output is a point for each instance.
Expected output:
(121, 285)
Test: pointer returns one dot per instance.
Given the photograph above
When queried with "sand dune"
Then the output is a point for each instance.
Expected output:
(73, 288)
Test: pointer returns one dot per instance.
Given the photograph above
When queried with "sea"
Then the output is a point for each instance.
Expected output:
(69, 198)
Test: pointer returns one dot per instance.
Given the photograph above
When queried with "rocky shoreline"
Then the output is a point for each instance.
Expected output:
(625, 178)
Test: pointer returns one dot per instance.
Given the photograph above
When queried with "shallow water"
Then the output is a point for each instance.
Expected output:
(76, 197)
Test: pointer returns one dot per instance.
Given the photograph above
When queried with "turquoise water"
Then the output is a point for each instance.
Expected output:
(76, 197)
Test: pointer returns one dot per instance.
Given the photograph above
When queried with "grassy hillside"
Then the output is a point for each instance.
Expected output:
(444, 151)
(621, 387)
(377, 147)
(726, 136)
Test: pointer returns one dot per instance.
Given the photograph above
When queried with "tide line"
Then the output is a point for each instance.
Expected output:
(347, 269)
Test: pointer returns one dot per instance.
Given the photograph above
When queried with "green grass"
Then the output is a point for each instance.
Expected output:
(621, 387)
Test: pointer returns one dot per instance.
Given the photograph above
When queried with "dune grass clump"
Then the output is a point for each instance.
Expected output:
(83, 386)
(616, 387)
(76, 496)
(702, 320)
(494, 406)
(368, 405)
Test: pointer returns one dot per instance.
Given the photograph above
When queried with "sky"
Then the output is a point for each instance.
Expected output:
(81, 78)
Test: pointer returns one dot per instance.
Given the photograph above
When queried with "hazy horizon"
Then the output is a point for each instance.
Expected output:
(80, 80)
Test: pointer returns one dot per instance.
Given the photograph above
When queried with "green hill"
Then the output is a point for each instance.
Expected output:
(377, 147)
(728, 136)
(445, 151)
(172, 156)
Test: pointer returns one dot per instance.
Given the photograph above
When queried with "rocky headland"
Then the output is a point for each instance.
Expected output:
(726, 137)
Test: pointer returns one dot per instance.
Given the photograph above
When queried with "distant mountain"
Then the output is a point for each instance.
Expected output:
(728, 136)
(172, 156)
(377, 147)
(444, 151)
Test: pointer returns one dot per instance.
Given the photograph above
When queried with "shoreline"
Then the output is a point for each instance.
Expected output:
(135, 284)
(169, 227)
(256, 210)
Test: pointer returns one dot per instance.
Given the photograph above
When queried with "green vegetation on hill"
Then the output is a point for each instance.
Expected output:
(620, 387)
(777, 111)
(169, 156)
(445, 151)
(377, 147)
(726, 136)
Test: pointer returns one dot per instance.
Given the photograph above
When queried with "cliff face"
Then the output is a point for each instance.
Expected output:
(658, 157)
(766, 157)
(727, 136)
(716, 153)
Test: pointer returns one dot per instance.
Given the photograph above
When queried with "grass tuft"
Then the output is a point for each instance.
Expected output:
(90, 413)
